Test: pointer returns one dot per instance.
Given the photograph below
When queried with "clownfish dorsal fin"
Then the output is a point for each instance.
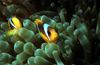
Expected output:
(45, 27)
(37, 21)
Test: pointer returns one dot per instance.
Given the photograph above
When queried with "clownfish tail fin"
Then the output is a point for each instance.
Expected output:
(9, 33)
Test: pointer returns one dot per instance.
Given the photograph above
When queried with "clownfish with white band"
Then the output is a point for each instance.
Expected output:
(46, 31)
(14, 24)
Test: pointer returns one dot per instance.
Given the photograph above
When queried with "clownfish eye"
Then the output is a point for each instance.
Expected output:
(48, 32)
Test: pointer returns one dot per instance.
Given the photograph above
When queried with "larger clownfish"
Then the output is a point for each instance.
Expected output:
(14, 24)
(46, 31)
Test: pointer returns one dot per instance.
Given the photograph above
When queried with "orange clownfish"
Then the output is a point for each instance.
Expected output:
(14, 24)
(46, 31)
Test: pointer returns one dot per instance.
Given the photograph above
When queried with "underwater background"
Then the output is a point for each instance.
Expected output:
(77, 25)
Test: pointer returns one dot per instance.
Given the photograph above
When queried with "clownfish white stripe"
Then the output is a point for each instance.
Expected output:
(45, 27)
(12, 23)
(38, 28)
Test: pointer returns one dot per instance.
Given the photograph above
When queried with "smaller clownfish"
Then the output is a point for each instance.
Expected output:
(14, 24)
(3, 3)
(46, 31)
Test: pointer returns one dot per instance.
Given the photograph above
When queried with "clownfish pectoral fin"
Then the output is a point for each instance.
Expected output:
(9, 33)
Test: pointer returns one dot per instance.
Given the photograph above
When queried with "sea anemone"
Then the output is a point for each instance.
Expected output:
(77, 25)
